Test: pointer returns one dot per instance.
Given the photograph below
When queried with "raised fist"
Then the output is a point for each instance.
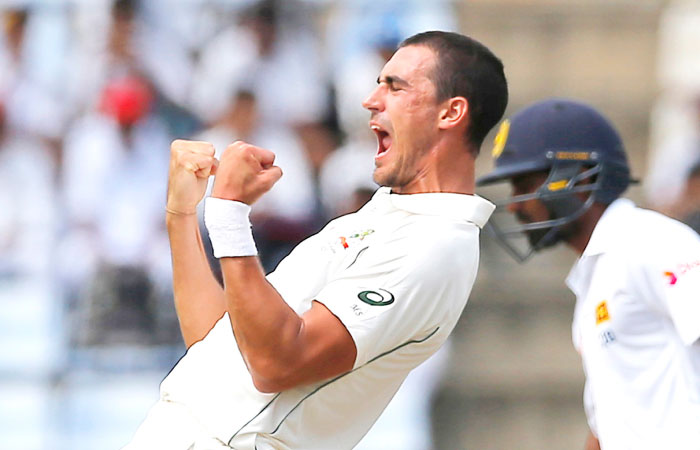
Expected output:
(191, 164)
(245, 173)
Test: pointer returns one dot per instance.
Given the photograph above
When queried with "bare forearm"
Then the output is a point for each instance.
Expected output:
(199, 299)
(267, 329)
(591, 442)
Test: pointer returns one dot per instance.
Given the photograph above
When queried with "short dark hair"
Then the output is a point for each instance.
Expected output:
(467, 68)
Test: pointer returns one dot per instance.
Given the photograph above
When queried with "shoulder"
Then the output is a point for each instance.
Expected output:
(648, 233)
(430, 241)
(651, 244)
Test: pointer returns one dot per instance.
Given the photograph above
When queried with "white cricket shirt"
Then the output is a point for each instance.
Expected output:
(397, 274)
(636, 326)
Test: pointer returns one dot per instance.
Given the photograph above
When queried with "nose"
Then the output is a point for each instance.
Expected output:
(373, 101)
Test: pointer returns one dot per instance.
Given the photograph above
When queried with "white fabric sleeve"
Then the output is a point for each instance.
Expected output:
(672, 272)
(404, 291)
(302, 273)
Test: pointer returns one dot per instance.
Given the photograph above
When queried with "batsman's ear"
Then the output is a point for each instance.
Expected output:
(453, 112)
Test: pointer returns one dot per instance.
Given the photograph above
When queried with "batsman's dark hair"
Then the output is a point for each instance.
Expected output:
(466, 68)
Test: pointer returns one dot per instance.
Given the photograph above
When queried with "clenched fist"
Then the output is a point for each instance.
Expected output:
(191, 164)
(245, 173)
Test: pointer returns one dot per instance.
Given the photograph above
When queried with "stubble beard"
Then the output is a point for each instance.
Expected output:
(390, 176)
(398, 172)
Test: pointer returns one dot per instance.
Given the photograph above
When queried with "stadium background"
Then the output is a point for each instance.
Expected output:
(91, 95)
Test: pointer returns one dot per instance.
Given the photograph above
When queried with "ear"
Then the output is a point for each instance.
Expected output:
(453, 113)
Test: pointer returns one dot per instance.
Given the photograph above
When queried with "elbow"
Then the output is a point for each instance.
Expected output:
(266, 386)
(271, 376)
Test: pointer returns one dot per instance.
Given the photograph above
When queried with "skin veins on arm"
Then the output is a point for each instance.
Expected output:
(281, 348)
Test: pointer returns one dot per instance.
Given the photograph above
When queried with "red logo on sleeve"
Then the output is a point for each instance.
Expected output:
(681, 270)
(671, 278)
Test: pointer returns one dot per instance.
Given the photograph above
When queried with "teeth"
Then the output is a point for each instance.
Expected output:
(375, 127)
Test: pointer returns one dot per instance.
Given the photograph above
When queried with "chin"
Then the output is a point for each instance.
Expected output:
(379, 179)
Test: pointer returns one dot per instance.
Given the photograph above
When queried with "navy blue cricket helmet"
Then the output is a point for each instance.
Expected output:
(579, 150)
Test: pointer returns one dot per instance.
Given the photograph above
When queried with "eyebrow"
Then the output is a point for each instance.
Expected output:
(392, 79)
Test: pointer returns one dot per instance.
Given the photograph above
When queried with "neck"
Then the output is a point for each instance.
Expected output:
(447, 168)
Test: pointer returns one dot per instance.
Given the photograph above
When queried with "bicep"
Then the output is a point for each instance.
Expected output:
(329, 349)
(322, 349)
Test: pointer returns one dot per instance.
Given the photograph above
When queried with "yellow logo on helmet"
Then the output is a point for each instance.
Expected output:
(499, 141)
(557, 185)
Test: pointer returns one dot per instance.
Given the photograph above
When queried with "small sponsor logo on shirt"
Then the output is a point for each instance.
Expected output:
(376, 298)
(672, 278)
(345, 241)
(607, 337)
(601, 313)
(681, 269)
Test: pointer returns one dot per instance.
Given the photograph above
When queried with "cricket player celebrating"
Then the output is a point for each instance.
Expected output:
(309, 356)
(637, 280)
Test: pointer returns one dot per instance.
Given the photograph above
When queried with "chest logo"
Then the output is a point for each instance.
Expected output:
(375, 298)
(359, 236)
(601, 313)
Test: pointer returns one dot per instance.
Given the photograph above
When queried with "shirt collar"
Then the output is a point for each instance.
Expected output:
(607, 230)
(470, 208)
(605, 235)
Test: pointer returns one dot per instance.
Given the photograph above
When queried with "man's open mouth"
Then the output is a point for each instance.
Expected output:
(383, 138)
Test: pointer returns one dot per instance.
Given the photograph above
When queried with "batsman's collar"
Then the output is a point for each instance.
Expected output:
(611, 225)
(470, 208)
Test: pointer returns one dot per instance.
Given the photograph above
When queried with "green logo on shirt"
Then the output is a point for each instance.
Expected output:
(375, 298)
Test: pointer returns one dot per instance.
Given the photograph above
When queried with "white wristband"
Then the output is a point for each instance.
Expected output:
(229, 228)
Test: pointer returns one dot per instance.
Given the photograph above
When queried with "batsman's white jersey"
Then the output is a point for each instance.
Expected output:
(397, 274)
(637, 325)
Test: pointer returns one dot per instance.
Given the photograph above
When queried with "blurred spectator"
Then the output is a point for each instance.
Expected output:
(115, 40)
(355, 26)
(114, 179)
(288, 213)
(27, 158)
(675, 119)
(31, 124)
(690, 198)
(672, 157)
(31, 79)
(269, 55)
(27, 201)
(272, 53)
